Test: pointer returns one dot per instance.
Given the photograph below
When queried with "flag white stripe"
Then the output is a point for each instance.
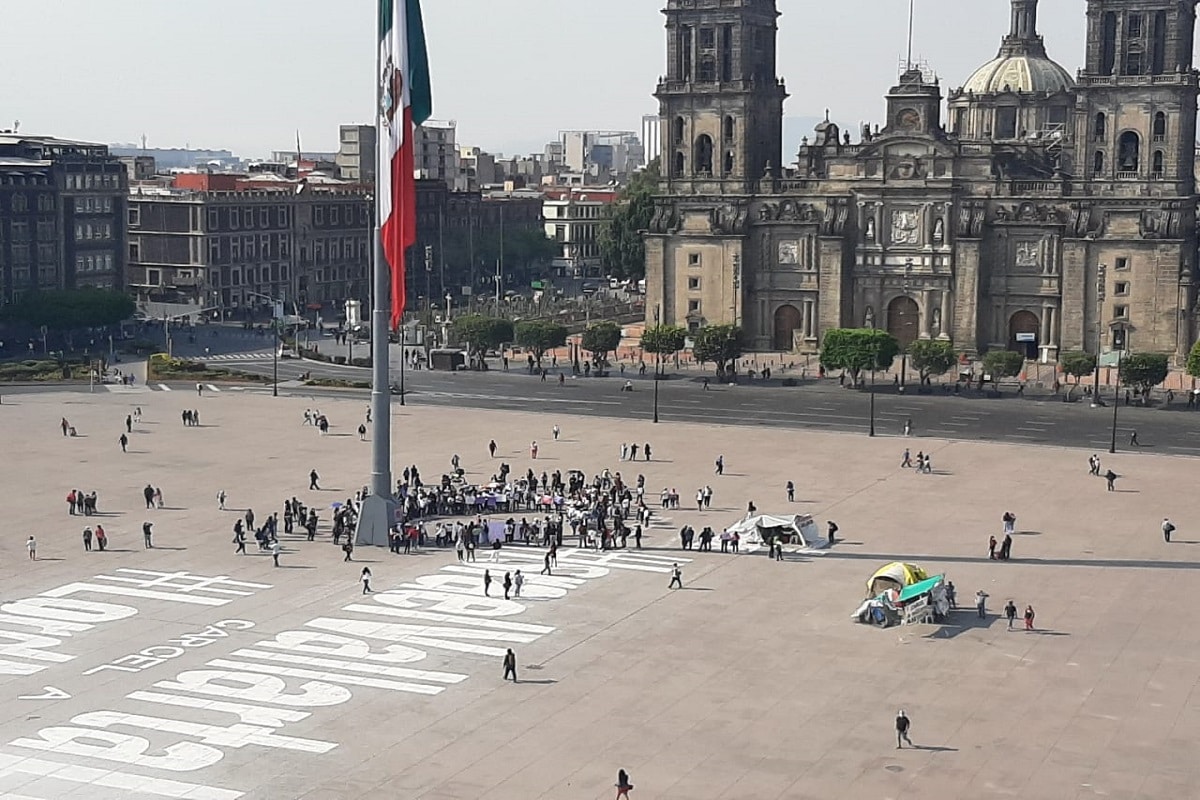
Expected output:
(393, 45)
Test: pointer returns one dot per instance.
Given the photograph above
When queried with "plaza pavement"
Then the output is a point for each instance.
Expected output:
(751, 683)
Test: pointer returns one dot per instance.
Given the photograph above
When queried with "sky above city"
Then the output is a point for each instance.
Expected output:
(247, 74)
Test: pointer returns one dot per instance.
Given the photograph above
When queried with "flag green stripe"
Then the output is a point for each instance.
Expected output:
(385, 18)
(420, 94)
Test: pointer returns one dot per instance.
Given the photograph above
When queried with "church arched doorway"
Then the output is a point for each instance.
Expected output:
(787, 322)
(903, 320)
(1024, 328)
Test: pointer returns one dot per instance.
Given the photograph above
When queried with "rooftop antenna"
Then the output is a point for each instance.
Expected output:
(911, 6)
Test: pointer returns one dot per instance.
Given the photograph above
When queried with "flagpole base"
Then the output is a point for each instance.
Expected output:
(374, 521)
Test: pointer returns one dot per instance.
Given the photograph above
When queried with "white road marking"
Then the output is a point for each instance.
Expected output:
(162, 387)
(211, 388)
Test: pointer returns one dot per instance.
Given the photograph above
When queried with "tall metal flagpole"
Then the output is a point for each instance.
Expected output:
(375, 516)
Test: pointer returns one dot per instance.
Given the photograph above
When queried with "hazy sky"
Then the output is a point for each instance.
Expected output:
(246, 74)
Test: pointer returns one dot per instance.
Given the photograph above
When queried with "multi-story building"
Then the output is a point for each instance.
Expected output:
(62, 215)
(219, 241)
(573, 218)
(435, 152)
(476, 169)
(651, 139)
(1053, 213)
(357, 153)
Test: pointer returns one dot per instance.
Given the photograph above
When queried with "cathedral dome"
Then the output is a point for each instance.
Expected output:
(1019, 72)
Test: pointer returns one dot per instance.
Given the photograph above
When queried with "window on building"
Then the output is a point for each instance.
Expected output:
(1157, 165)
(214, 219)
(693, 306)
(677, 131)
(729, 162)
(1160, 126)
(693, 284)
(1121, 288)
(264, 218)
(154, 277)
(703, 164)
(1121, 263)
(708, 38)
(1129, 154)
(684, 53)
(1158, 48)
(235, 248)
(1134, 26)
(235, 218)
(335, 216)
(1098, 163)
(248, 218)
(693, 259)
(1133, 62)
(135, 216)
(707, 70)
(728, 128)
(1121, 312)
(319, 216)
(135, 251)
(1100, 127)
(1108, 48)
(726, 52)
(1006, 123)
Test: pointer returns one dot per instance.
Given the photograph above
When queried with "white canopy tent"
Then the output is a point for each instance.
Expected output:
(798, 529)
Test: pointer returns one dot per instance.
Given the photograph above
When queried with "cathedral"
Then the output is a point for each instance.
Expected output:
(1027, 209)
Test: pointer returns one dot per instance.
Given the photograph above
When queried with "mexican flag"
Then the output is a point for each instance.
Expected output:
(404, 101)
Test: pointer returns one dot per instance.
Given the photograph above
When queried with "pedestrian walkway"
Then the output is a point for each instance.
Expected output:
(116, 388)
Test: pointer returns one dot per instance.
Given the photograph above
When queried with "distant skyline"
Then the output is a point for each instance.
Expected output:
(227, 74)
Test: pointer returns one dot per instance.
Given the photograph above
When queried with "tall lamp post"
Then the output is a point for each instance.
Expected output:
(1112, 444)
(657, 366)
(1101, 273)
(871, 430)
(276, 310)
(908, 269)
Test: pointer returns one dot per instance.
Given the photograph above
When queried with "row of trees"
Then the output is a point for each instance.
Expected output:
(480, 333)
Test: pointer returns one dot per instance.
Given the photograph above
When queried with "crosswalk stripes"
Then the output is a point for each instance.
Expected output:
(259, 355)
(162, 387)
(211, 388)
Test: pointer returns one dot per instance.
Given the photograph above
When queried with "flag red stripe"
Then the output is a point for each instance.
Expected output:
(399, 231)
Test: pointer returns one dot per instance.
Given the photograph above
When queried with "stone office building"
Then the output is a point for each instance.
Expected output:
(1048, 213)
(62, 216)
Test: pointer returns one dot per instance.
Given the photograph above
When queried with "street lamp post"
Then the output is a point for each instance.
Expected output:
(1101, 272)
(276, 310)
(871, 430)
(908, 268)
(1112, 444)
(657, 366)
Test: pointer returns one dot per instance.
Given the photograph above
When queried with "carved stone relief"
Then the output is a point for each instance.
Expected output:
(906, 227)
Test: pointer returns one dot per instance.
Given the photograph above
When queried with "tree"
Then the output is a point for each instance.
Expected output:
(931, 357)
(1193, 361)
(540, 335)
(600, 340)
(1077, 364)
(1003, 364)
(71, 309)
(664, 340)
(858, 349)
(1144, 371)
(480, 333)
(720, 344)
(622, 249)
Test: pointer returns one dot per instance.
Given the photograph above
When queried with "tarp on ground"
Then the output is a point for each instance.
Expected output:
(920, 588)
(895, 575)
(797, 528)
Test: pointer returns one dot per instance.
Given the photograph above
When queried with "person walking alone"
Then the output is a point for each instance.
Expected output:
(124, 440)
(903, 724)
(1028, 618)
(676, 577)
(1010, 613)
(87, 540)
(147, 532)
(313, 477)
(365, 577)
(1167, 528)
(276, 549)
(507, 584)
(487, 583)
(510, 665)
(31, 546)
(623, 784)
(791, 492)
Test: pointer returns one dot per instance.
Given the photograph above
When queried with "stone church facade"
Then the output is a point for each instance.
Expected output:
(1047, 213)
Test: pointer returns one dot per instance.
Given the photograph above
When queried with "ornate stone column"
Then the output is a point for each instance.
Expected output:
(926, 312)
(944, 333)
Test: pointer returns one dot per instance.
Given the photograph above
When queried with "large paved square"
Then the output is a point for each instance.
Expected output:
(753, 682)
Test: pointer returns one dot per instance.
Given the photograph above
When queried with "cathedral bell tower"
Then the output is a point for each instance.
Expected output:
(720, 103)
(1137, 96)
